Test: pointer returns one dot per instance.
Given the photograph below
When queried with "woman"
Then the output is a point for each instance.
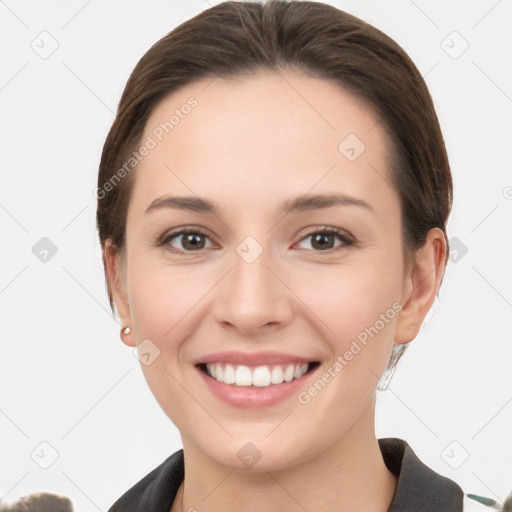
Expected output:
(272, 207)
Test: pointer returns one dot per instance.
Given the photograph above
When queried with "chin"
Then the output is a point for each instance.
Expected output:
(258, 454)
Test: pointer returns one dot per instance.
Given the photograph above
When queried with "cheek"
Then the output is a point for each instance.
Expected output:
(168, 305)
(161, 299)
(162, 307)
(352, 298)
(356, 309)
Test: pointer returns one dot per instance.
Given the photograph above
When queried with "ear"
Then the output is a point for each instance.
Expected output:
(117, 285)
(421, 283)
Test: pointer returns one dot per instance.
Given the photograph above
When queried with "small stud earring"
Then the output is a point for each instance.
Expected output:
(125, 330)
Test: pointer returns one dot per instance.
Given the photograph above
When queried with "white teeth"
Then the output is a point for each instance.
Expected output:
(261, 376)
(243, 376)
(211, 369)
(276, 377)
(289, 373)
(229, 374)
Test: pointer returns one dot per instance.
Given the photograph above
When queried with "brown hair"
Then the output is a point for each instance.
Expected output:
(40, 502)
(237, 39)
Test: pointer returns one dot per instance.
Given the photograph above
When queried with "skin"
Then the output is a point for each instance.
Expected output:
(250, 145)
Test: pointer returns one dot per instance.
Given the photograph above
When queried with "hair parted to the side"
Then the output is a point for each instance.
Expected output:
(237, 39)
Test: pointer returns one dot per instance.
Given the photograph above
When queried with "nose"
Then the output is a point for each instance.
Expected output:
(253, 298)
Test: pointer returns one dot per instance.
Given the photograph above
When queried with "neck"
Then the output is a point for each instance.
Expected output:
(350, 475)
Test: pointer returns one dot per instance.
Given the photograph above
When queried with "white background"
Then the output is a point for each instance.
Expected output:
(66, 378)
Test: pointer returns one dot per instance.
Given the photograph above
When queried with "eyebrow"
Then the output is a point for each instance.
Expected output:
(297, 204)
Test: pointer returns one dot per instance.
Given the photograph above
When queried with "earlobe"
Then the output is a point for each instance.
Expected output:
(116, 283)
(421, 284)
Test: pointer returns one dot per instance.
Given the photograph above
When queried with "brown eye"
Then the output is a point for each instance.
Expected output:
(186, 241)
(325, 239)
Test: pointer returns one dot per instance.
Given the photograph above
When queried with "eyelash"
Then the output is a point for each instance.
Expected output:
(346, 239)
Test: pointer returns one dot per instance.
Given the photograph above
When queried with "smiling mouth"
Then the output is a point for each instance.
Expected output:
(258, 376)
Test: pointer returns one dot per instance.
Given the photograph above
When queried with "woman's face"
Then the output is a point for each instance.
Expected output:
(243, 277)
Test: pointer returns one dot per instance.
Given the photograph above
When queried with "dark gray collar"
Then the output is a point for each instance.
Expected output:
(419, 488)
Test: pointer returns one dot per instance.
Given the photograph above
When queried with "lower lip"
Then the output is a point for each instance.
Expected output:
(246, 397)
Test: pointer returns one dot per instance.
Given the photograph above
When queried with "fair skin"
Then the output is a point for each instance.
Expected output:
(249, 146)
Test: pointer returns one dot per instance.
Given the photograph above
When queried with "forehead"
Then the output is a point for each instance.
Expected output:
(270, 134)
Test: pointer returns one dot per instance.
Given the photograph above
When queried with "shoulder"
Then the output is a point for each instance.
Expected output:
(156, 491)
(421, 488)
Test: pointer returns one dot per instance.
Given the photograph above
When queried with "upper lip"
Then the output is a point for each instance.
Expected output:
(252, 359)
